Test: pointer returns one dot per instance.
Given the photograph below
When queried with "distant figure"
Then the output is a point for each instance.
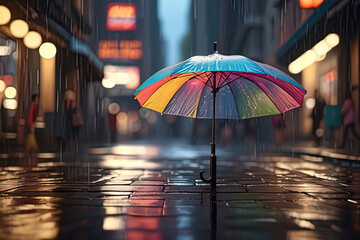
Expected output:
(278, 124)
(250, 131)
(33, 111)
(68, 131)
(317, 116)
(226, 134)
(112, 125)
(31, 143)
(348, 122)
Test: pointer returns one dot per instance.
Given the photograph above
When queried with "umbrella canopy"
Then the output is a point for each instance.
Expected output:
(246, 89)
(243, 89)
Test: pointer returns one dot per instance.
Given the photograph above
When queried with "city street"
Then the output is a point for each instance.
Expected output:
(144, 191)
(183, 120)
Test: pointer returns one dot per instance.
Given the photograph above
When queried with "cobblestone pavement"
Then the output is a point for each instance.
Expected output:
(151, 192)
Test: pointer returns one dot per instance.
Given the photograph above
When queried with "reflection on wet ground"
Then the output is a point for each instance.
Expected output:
(151, 192)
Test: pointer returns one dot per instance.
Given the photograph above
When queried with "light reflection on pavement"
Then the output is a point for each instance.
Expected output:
(143, 191)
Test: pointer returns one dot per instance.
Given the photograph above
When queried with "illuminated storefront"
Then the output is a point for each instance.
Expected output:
(8, 84)
(129, 46)
(37, 57)
(323, 54)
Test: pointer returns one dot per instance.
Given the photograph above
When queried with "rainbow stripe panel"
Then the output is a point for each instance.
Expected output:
(244, 89)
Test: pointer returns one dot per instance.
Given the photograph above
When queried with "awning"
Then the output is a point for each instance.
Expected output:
(78, 46)
(312, 31)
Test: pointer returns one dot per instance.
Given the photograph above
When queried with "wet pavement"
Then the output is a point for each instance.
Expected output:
(140, 191)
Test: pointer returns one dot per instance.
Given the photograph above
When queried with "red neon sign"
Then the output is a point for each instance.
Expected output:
(310, 3)
(121, 17)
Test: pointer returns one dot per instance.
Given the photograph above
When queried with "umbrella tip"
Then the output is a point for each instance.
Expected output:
(215, 47)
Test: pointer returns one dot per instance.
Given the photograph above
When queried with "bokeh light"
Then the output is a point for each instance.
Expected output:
(32, 40)
(10, 92)
(114, 108)
(5, 15)
(10, 104)
(108, 83)
(47, 50)
(19, 28)
(2, 85)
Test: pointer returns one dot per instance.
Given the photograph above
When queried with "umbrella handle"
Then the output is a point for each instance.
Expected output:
(204, 179)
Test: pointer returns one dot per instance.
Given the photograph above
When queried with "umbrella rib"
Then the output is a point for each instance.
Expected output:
(193, 77)
(171, 79)
(265, 93)
(272, 82)
(202, 91)
(200, 75)
(232, 92)
(225, 78)
(282, 87)
(231, 80)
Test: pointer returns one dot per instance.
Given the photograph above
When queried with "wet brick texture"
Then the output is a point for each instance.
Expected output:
(142, 193)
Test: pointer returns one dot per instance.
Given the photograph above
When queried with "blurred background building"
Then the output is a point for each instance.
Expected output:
(319, 44)
(46, 50)
(278, 32)
(106, 49)
(93, 43)
(127, 40)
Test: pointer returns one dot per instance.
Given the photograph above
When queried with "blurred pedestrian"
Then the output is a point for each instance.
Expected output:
(77, 121)
(31, 144)
(226, 134)
(67, 129)
(317, 116)
(250, 132)
(347, 122)
(112, 125)
(279, 124)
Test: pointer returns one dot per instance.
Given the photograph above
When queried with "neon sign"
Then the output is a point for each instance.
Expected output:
(124, 49)
(121, 17)
(310, 3)
(128, 76)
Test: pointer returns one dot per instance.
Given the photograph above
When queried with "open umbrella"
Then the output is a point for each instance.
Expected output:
(219, 86)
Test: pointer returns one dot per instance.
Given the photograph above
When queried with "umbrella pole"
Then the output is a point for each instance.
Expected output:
(212, 177)
(213, 156)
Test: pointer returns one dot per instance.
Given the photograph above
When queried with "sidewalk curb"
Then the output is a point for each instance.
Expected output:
(318, 152)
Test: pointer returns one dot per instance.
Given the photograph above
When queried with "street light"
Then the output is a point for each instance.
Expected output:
(10, 92)
(108, 82)
(32, 40)
(2, 85)
(5, 15)
(317, 53)
(10, 104)
(19, 28)
(302, 62)
(47, 50)
(5, 50)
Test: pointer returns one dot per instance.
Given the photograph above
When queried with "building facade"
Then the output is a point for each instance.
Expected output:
(331, 68)
(67, 65)
(127, 40)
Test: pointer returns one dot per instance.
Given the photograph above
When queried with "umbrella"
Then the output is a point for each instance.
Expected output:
(219, 86)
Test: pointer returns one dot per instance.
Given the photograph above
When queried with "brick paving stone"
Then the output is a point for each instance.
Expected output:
(262, 196)
(105, 196)
(312, 189)
(147, 183)
(122, 188)
(266, 189)
(331, 195)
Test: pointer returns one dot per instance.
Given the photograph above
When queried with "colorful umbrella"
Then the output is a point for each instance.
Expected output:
(243, 88)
